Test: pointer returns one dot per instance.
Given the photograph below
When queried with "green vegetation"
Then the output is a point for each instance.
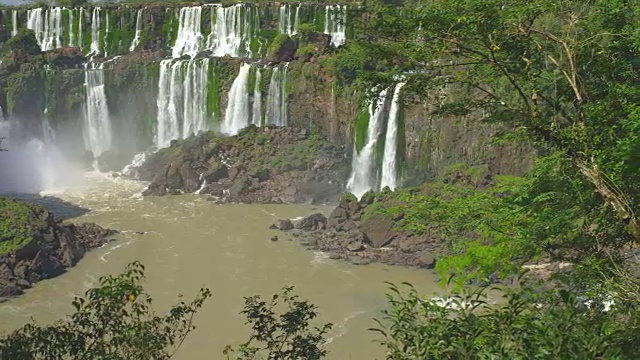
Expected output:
(17, 222)
(285, 335)
(113, 321)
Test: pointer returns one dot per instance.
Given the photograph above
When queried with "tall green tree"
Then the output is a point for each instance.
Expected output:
(563, 74)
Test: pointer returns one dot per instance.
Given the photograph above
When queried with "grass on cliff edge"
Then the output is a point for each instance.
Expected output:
(17, 221)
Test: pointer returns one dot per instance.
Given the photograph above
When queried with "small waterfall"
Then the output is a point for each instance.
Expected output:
(136, 38)
(277, 98)
(97, 129)
(288, 21)
(236, 116)
(389, 169)
(95, 32)
(189, 39)
(363, 170)
(335, 23)
(182, 99)
(48, 134)
(80, 22)
(256, 113)
(14, 22)
(47, 26)
(232, 30)
(72, 36)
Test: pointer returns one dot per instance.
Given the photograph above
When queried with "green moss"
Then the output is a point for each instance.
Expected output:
(277, 44)
(18, 220)
(362, 124)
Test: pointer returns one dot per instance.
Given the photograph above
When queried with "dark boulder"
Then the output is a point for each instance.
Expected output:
(312, 222)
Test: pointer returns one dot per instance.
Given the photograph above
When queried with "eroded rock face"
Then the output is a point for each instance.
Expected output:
(260, 165)
(51, 249)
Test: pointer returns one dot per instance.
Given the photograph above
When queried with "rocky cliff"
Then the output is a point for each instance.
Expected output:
(259, 165)
(159, 73)
(35, 246)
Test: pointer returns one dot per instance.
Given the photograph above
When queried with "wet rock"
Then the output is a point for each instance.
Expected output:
(5, 272)
(273, 227)
(274, 238)
(285, 225)
(311, 223)
(8, 289)
(378, 231)
(356, 246)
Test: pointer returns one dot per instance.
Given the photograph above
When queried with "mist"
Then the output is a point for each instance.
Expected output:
(31, 166)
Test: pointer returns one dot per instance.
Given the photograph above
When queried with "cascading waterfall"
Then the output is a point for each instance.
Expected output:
(232, 30)
(47, 26)
(14, 22)
(335, 23)
(289, 22)
(256, 114)
(237, 114)
(389, 159)
(95, 32)
(277, 98)
(72, 37)
(97, 129)
(182, 99)
(47, 132)
(80, 21)
(363, 174)
(136, 37)
(189, 39)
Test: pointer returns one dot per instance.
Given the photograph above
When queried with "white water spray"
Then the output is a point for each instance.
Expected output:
(389, 159)
(182, 99)
(189, 39)
(97, 126)
(256, 112)
(14, 22)
(95, 32)
(232, 30)
(289, 21)
(237, 114)
(335, 23)
(363, 170)
(277, 97)
(136, 37)
(47, 26)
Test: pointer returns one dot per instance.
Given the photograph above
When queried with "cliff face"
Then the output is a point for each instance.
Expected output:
(274, 65)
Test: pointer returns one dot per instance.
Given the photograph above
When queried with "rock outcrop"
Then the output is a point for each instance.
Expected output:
(259, 165)
(350, 235)
(36, 246)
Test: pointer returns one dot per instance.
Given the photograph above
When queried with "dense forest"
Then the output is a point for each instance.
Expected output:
(559, 244)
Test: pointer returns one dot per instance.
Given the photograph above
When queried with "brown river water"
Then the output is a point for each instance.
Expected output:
(189, 242)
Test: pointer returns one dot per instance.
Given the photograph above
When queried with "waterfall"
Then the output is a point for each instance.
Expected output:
(97, 129)
(47, 132)
(236, 116)
(72, 37)
(95, 32)
(14, 22)
(182, 99)
(136, 38)
(389, 169)
(47, 26)
(335, 23)
(189, 39)
(289, 22)
(80, 22)
(256, 113)
(277, 98)
(363, 170)
(232, 30)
